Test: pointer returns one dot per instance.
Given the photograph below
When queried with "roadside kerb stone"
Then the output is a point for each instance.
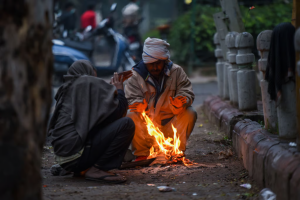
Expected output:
(280, 165)
(270, 161)
(208, 107)
(229, 117)
(207, 102)
(216, 109)
(252, 142)
(272, 168)
(245, 137)
(259, 156)
(236, 135)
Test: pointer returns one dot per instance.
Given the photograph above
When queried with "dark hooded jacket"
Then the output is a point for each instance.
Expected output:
(281, 57)
(83, 101)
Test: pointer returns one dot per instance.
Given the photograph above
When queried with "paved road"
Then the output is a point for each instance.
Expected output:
(203, 90)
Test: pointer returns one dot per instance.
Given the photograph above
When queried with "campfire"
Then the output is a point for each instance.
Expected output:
(169, 147)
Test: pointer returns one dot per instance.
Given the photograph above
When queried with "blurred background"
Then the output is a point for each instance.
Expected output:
(172, 20)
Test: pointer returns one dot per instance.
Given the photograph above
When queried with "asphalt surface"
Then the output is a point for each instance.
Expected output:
(203, 90)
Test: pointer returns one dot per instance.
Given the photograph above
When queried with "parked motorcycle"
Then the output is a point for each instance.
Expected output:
(103, 46)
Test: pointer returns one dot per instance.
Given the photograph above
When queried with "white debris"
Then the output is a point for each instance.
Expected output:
(165, 189)
(194, 194)
(292, 144)
(246, 185)
(267, 194)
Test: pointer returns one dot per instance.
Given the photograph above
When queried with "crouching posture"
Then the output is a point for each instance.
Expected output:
(163, 90)
(88, 127)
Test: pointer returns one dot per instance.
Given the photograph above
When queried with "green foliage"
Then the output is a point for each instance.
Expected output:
(262, 123)
(259, 19)
(152, 34)
(266, 17)
(180, 33)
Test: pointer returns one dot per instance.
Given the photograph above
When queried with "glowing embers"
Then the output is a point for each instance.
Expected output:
(168, 146)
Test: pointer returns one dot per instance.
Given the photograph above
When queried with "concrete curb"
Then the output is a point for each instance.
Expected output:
(271, 162)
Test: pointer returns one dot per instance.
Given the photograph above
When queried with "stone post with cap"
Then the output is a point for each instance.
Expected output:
(225, 75)
(246, 76)
(225, 78)
(219, 64)
(269, 106)
(232, 69)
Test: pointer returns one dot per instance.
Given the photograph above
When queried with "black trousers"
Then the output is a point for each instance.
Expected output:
(107, 145)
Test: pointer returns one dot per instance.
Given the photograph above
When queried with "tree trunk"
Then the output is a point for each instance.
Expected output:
(25, 94)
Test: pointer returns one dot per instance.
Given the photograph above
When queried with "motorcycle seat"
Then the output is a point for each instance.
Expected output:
(85, 46)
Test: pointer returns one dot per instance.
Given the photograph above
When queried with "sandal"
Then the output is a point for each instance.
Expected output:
(103, 180)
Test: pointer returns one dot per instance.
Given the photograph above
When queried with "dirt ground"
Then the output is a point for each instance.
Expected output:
(218, 178)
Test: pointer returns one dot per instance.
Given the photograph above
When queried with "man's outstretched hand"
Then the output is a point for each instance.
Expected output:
(178, 102)
(138, 107)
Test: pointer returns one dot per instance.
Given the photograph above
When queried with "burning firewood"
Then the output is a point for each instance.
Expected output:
(167, 147)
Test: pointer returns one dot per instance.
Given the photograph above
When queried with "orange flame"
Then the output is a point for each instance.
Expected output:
(168, 146)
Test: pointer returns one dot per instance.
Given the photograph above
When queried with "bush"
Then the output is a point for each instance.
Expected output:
(266, 17)
(180, 33)
(259, 19)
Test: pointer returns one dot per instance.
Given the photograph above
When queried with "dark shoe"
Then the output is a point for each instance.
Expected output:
(57, 170)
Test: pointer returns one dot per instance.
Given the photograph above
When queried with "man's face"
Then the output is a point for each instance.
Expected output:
(155, 68)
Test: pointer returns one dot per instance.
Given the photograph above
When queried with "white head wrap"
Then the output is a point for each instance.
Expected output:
(155, 49)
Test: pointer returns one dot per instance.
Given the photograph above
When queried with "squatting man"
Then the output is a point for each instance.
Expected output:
(163, 90)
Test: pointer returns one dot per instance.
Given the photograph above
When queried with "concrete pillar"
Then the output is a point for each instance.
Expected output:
(246, 76)
(269, 106)
(225, 79)
(219, 64)
(232, 69)
(286, 111)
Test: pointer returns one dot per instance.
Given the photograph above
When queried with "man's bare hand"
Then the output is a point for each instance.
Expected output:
(178, 102)
(117, 81)
(138, 107)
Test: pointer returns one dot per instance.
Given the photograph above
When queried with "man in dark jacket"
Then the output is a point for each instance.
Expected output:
(68, 18)
(88, 127)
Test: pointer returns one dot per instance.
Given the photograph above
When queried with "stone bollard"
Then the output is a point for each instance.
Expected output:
(246, 76)
(269, 106)
(225, 79)
(232, 69)
(219, 64)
